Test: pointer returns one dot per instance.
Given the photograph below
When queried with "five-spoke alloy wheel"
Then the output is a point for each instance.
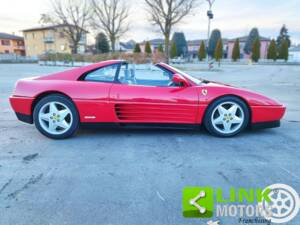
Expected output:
(55, 116)
(226, 116)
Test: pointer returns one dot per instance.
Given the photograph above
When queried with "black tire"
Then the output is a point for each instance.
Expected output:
(61, 99)
(208, 116)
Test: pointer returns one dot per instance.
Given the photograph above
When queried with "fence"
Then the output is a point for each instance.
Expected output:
(13, 58)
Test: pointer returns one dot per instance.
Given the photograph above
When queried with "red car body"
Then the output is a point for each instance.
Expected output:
(102, 102)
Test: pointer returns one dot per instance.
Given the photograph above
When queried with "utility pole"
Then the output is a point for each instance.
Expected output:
(210, 16)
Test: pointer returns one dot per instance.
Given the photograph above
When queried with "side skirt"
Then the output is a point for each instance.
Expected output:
(141, 125)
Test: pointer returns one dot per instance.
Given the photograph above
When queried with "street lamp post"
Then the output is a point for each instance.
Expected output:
(210, 16)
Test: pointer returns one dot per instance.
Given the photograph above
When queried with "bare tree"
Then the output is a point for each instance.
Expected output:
(45, 19)
(73, 15)
(167, 13)
(111, 17)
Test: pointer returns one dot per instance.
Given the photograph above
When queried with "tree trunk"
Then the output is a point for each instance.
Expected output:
(113, 43)
(74, 48)
(167, 52)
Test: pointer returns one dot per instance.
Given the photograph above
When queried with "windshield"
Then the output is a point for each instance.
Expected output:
(175, 70)
(193, 79)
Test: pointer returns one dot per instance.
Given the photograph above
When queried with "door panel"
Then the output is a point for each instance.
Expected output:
(143, 104)
(92, 101)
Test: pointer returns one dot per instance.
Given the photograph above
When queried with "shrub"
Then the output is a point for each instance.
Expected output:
(272, 52)
(148, 49)
(213, 41)
(137, 48)
(202, 51)
(284, 50)
(219, 51)
(256, 50)
(236, 50)
(138, 58)
(160, 48)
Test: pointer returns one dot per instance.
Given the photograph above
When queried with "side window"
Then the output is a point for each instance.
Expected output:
(154, 76)
(104, 74)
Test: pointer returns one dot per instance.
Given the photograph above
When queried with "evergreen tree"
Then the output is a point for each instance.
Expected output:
(148, 49)
(180, 42)
(283, 35)
(213, 40)
(253, 35)
(284, 50)
(236, 50)
(173, 51)
(256, 50)
(272, 51)
(160, 48)
(202, 51)
(102, 45)
(137, 48)
(218, 55)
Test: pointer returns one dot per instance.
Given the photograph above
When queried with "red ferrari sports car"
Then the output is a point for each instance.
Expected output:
(120, 93)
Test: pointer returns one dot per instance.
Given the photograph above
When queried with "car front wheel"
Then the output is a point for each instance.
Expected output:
(226, 117)
(56, 117)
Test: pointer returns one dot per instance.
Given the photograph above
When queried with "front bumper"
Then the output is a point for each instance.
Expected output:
(263, 114)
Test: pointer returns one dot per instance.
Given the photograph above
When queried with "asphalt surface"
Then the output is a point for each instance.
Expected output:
(135, 176)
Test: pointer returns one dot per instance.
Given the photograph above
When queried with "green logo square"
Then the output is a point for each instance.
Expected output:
(197, 202)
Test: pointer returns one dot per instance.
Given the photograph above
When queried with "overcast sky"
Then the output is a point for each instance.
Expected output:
(233, 17)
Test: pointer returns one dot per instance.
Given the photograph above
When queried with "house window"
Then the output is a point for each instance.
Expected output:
(61, 34)
(5, 42)
(33, 35)
(83, 38)
(20, 43)
(6, 51)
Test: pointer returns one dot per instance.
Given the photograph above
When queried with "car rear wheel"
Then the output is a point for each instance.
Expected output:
(226, 117)
(55, 116)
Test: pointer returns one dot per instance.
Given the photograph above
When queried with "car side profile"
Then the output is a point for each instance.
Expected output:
(120, 93)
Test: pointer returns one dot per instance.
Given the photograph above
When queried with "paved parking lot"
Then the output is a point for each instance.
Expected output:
(135, 176)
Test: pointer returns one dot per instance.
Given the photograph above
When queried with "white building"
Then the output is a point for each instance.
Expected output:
(294, 54)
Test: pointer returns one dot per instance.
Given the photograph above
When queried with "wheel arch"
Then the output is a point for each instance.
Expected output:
(42, 95)
(229, 95)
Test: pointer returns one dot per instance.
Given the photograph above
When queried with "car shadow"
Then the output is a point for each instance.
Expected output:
(142, 131)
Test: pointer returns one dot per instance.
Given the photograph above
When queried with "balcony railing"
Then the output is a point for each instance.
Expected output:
(20, 47)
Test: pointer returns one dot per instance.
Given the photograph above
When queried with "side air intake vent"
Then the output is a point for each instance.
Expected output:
(149, 112)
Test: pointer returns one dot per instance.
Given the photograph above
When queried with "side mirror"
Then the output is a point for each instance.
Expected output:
(180, 80)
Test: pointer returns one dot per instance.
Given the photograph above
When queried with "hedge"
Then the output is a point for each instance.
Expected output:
(138, 58)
